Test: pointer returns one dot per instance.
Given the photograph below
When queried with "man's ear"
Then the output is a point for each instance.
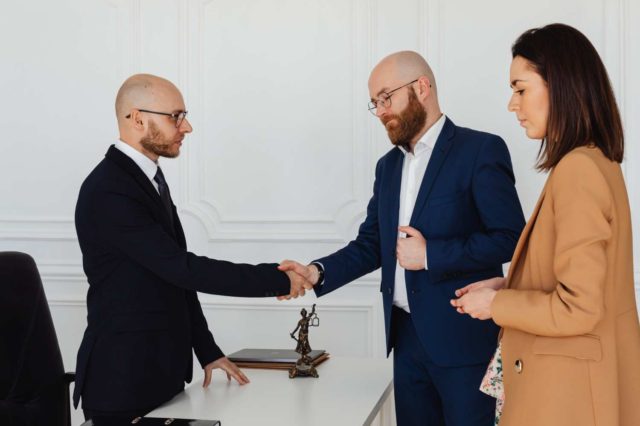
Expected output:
(424, 86)
(137, 120)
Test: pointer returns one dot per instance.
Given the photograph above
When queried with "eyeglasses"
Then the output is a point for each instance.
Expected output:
(177, 117)
(385, 99)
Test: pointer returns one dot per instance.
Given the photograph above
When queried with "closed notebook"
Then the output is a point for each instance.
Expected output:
(287, 356)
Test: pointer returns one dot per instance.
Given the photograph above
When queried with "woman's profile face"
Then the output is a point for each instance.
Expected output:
(530, 98)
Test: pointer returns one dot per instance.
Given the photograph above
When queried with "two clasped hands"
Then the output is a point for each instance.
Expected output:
(474, 299)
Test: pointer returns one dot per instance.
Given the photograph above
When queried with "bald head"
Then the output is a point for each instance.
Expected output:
(144, 91)
(402, 67)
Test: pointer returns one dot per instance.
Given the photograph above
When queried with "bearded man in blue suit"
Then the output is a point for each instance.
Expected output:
(444, 213)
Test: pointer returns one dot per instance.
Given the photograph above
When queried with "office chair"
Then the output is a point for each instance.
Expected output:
(34, 389)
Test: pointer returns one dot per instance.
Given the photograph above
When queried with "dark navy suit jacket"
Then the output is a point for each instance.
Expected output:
(144, 316)
(468, 210)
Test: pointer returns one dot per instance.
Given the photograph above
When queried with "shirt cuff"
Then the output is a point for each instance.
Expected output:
(320, 266)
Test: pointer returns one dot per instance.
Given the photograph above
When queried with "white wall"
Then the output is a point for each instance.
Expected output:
(281, 160)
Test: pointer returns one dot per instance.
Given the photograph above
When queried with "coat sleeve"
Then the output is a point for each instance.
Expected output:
(126, 224)
(582, 212)
(204, 345)
(498, 206)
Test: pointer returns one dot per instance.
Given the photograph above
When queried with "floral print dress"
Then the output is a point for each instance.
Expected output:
(492, 383)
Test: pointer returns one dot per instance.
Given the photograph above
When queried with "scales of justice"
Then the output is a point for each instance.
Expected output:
(304, 366)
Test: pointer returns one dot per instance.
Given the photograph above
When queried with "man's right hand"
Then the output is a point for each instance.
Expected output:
(302, 277)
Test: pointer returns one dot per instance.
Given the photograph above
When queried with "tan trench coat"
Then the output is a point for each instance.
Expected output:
(571, 339)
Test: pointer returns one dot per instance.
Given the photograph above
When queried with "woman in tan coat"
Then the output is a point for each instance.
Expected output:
(570, 346)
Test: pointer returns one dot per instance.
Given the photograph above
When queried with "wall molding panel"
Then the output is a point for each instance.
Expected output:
(33, 226)
(311, 227)
(37, 229)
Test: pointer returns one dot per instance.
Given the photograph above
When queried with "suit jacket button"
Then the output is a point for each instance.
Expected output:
(518, 366)
(389, 290)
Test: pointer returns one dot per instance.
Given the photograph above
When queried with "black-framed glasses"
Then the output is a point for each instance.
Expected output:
(385, 98)
(177, 117)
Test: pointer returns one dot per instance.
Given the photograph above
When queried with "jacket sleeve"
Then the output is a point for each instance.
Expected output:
(361, 255)
(497, 203)
(126, 224)
(204, 345)
(582, 211)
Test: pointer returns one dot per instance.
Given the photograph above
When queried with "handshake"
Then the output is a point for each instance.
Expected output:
(410, 251)
(302, 277)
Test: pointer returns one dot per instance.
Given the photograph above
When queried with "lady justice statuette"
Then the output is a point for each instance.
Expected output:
(303, 367)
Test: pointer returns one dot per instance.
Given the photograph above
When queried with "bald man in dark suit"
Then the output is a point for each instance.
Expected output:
(144, 317)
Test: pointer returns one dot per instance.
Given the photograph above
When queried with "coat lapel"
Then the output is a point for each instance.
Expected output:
(127, 164)
(438, 156)
(393, 207)
(524, 236)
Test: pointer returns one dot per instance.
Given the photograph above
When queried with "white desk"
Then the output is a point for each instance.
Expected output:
(348, 392)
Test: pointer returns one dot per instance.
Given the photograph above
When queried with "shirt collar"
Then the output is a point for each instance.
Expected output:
(147, 165)
(428, 141)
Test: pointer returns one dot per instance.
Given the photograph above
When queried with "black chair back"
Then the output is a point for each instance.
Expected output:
(33, 386)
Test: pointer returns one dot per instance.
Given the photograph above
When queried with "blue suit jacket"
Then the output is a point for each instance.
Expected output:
(468, 210)
(143, 313)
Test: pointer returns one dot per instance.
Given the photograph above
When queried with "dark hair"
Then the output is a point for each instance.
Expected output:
(582, 106)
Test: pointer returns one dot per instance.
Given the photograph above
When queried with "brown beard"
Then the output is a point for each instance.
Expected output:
(409, 122)
(158, 143)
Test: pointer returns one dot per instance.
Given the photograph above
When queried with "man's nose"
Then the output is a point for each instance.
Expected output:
(185, 126)
(381, 111)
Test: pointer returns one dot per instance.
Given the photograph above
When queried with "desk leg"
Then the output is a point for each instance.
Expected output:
(387, 414)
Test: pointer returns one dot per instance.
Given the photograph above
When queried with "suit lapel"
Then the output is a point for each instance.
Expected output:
(524, 236)
(393, 207)
(438, 156)
(129, 166)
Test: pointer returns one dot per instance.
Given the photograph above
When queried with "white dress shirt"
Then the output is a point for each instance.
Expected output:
(146, 164)
(414, 167)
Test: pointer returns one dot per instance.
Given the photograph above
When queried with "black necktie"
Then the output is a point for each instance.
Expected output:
(163, 189)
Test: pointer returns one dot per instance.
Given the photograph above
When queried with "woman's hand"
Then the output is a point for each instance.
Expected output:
(495, 283)
(476, 303)
(476, 298)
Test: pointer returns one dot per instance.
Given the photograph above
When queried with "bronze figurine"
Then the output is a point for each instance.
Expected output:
(304, 367)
